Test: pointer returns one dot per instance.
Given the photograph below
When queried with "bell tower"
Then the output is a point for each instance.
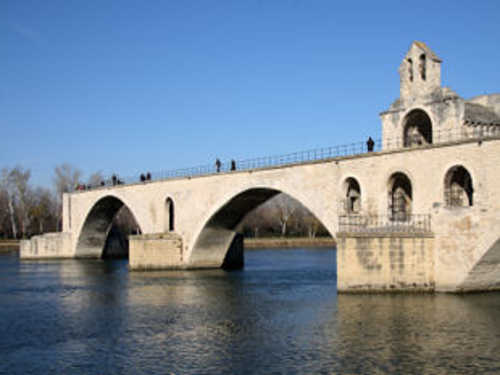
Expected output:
(419, 72)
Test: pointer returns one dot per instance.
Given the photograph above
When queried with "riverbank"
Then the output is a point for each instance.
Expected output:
(250, 243)
(7, 246)
(277, 243)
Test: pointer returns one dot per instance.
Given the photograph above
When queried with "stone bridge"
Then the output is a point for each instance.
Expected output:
(440, 158)
(204, 212)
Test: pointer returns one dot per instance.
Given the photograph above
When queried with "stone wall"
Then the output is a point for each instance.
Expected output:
(385, 262)
(49, 245)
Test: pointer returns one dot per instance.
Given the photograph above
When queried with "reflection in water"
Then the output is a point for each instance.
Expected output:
(280, 314)
(421, 333)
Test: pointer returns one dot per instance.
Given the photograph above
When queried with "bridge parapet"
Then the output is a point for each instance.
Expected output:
(441, 137)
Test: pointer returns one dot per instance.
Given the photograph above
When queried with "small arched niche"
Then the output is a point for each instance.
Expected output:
(458, 187)
(169, 225)
(400, 197)
(422, 67)
(417, 129)
(410, 69)
(352, 196)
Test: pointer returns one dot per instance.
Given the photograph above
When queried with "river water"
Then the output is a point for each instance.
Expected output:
(279, 315)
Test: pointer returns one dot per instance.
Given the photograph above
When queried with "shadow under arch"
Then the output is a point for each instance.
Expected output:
(484, 274)
(220, 243)
(98, 222)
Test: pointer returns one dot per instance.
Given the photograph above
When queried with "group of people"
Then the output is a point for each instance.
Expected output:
(115, 180)
(218, 165)
(145, 177)
(81, 187)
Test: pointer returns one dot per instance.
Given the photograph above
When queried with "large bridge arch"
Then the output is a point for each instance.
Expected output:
(218, 230)
(97, 224)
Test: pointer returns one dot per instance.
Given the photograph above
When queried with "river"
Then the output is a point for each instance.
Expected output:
(279, 315)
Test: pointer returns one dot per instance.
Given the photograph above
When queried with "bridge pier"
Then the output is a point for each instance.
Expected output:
(165, 251)
(48, 245)
(385, 262)
(155, 251)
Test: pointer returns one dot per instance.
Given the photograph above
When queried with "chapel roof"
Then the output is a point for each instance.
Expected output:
(477, 114)
(427, 50)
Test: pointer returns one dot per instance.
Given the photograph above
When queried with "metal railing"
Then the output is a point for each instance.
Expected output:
(307, 156)
(416, 223)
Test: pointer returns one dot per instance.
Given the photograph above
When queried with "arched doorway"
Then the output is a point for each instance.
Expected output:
(458, 187)
(352, 196)
(107, 215)
(417, 129)
(400, 197)
(169, 225)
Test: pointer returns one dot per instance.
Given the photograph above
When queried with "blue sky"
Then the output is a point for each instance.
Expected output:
(134, 86)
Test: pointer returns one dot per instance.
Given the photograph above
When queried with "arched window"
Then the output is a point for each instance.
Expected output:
(169, 215)
(417, 129)
(352, 196)
(458, 189)
(400, 197)
(422, 67)
(410, 69)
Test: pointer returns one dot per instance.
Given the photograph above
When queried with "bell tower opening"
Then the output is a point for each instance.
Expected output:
(420, 71)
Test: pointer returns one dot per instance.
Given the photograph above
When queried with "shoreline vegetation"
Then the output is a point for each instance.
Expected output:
(6, 246)
(288, 242)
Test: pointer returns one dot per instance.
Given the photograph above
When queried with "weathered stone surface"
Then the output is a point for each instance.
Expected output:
(385, 262)
(155, 251)
(49, 245)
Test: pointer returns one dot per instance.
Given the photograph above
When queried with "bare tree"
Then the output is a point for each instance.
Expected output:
(21, 190)
(43, 209)
(259, 221)
(283, 208)
(66, 178)
(95, 179)
(285, 216)
(8, 187)
(5, 226)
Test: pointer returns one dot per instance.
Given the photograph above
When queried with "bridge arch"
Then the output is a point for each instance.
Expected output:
(96, 226)
(217, 239)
